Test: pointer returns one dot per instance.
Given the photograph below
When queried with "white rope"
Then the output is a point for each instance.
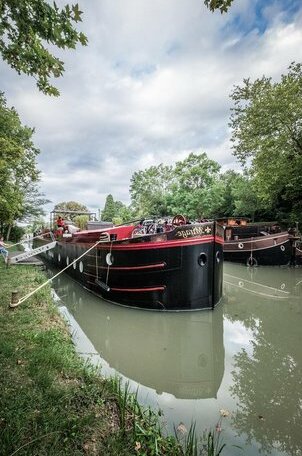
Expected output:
(27, 240)
(56, 275)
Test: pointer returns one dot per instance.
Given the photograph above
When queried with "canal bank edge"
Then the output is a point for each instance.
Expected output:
(55, 402)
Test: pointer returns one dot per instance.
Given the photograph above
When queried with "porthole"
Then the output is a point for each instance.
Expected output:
(81, 267)
(67, 260)
(59, 257)
(218, 256)
(240, 245)
(109, 259)
(282, 248)
(202, 259)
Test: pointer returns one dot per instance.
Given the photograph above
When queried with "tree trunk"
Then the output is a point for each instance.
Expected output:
(8, 232)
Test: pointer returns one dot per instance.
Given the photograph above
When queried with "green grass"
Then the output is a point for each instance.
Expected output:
(51, 402)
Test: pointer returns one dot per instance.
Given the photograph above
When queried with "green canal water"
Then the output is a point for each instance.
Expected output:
(244, 357)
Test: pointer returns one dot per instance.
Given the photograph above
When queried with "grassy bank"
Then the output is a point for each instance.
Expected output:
(51, 403)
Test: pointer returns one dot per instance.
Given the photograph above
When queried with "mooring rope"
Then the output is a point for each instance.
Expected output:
(24, 298)
(27, 240)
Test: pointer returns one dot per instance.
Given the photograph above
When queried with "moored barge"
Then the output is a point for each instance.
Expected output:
(256, 244)
(152, 266)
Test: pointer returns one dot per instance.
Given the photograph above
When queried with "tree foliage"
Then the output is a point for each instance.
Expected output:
(27, 30)
(191, 187)
(267, 134)
(19, 196)
(115, 211)
(64, 207)
(221, 5)
(150, 190)
(194, 192)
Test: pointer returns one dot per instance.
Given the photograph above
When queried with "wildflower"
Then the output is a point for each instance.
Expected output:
(137, 446)
(181, 428)
(224, 412)
(218, 428)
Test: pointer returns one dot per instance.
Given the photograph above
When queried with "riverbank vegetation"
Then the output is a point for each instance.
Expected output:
(54, 404)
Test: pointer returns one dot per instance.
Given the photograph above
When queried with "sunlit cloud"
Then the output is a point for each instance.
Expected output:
(152, 86)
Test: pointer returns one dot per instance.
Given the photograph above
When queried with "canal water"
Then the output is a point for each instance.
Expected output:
(245, 357)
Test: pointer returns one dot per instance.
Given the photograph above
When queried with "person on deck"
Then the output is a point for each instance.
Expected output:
(60, 222)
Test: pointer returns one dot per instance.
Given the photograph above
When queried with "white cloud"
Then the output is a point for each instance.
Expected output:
(152, 86)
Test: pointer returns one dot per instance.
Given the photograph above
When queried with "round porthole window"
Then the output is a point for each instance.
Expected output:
(67, 260)
(59, 257)
(202, 259)
(218, 256)
(282, 248)
(109, 259)
(81, 267)
(240, 245)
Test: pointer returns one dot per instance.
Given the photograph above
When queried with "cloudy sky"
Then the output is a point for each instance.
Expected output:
(152, 86)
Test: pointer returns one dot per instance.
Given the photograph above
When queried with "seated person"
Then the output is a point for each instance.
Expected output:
(60, 222)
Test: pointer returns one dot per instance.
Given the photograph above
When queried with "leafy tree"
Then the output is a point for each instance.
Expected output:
(267, 135)
(222, 5)
(150, 190)
(245, 197)
(25, 28)
(196, 188)
(81, 221)
(18, 171)
(116, 211)
(109, 209)
(64, 207)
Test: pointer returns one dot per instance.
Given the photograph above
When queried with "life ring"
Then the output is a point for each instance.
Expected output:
(251, 261)
(240, 245)
(178, 220)
(282, 247)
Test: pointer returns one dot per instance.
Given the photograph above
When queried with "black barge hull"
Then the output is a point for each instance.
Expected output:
(182, 272)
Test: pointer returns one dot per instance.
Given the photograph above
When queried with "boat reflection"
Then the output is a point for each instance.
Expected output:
(270, 282)
(177, 353)
(266, 377)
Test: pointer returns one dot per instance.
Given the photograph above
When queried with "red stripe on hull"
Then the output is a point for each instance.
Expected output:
(139, 290)
(135, 268)
(154, 245)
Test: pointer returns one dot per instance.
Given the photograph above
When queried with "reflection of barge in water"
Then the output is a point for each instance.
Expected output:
(180, 269)
(273, 285)
(176, 353)
(256, 243)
